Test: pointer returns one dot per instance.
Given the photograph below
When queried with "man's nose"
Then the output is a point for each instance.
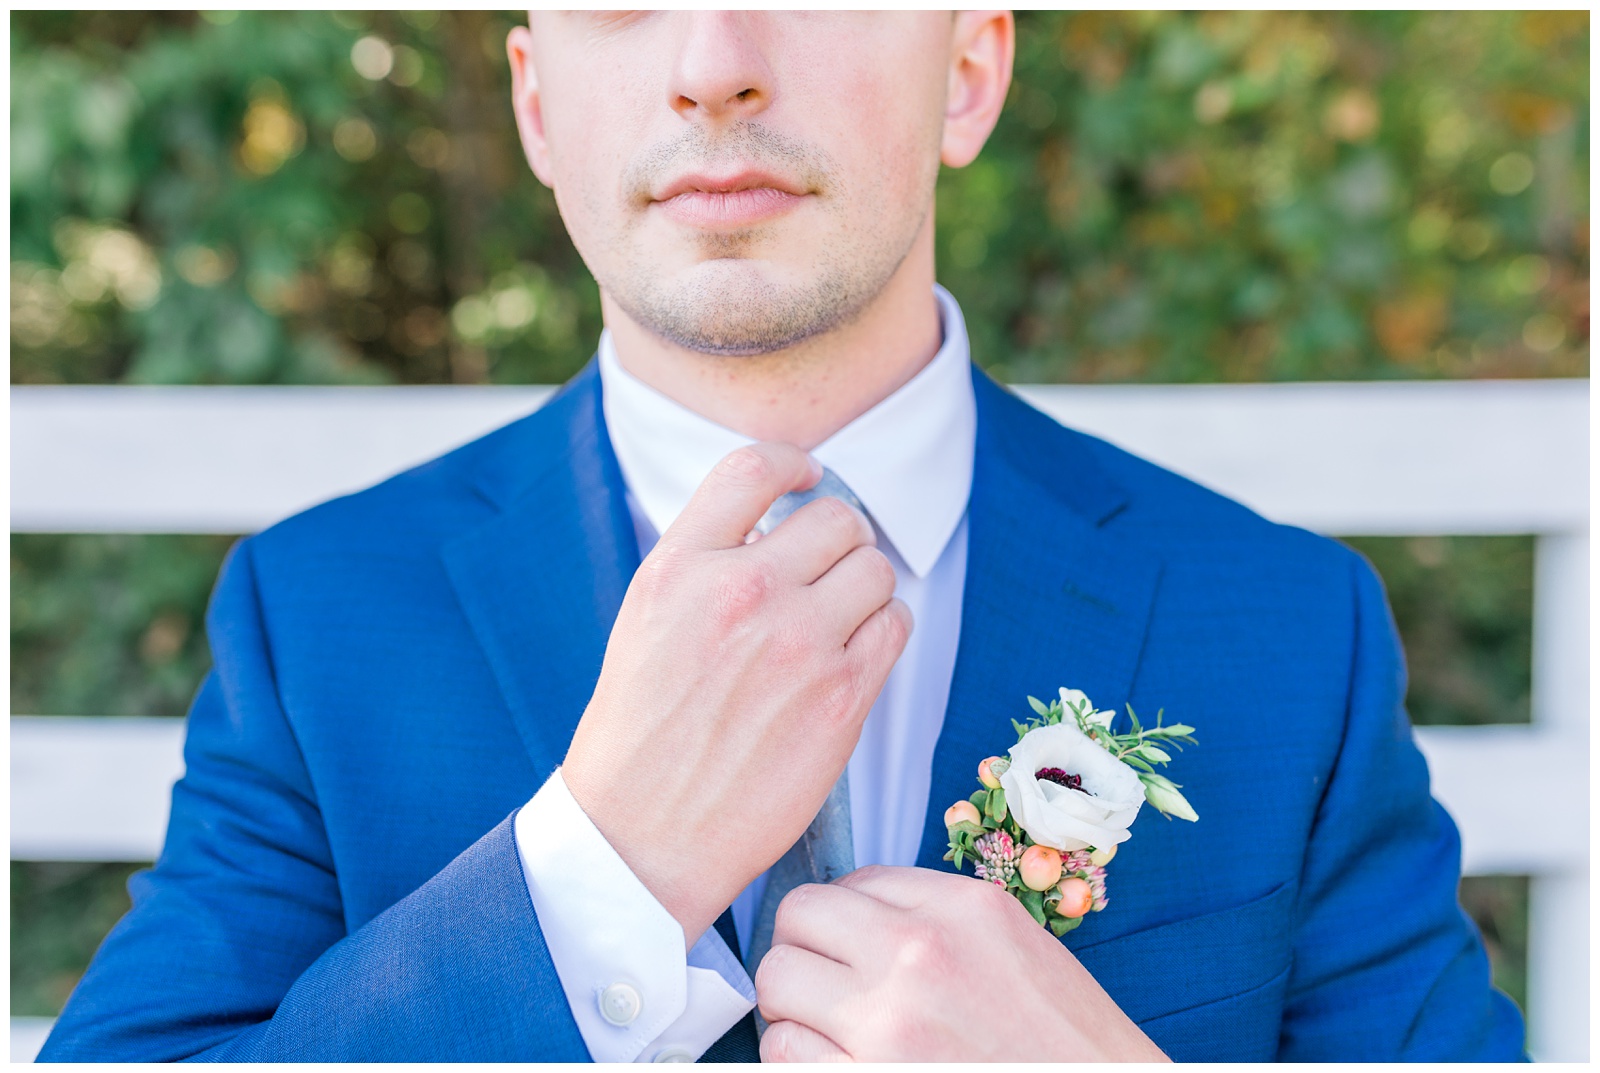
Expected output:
(721, 70)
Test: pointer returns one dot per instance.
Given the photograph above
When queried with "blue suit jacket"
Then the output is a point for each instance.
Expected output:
(397, 671)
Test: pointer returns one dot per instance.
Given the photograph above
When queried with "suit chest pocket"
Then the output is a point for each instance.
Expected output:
(1224, 972)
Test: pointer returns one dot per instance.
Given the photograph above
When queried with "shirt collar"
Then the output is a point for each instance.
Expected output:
(909, 458)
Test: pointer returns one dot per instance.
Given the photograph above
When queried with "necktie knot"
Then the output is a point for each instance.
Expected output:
(789, 502)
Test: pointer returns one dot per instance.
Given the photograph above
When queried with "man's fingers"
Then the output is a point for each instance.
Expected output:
(791, 1041)
(839, 923)
(798, 985)
(901, 888)
(738, 491)
(878, 642)
(808, 543)
(858, 584)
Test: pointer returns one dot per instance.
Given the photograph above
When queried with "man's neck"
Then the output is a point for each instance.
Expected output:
(805, 393)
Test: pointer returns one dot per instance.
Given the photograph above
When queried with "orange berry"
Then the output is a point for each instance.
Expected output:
(1076, 897)
(1040, 867)
(986, 776)
(962, 810)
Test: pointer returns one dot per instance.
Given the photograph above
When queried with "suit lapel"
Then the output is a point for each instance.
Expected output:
(1051, 597)
(541, 582)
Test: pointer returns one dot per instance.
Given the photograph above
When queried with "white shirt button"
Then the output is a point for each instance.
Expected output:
(673, 1054)
(619, 1004)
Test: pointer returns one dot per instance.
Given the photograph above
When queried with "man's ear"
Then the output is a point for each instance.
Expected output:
(982, 46)
(525, 102)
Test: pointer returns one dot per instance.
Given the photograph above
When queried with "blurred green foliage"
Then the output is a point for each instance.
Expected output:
(1257, 195)
(1499, 906)
(109, 625)
(59, 914)
(322, 197)
(227, 198)
(1464, 606)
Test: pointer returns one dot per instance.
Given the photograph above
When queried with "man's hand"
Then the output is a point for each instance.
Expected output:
(909, 964)
(735, 684)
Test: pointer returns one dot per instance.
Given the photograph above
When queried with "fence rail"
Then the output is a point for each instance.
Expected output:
(1369, 459)
(1352, 459)
(98, 788)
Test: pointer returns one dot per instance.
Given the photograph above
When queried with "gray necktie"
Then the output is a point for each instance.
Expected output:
(825, 852)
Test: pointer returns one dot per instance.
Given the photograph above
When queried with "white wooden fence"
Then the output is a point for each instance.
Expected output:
(1349, 459)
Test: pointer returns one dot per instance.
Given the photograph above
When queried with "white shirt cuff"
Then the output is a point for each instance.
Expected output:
(634, 993)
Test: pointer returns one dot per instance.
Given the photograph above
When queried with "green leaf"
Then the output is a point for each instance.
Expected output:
(967, 827)
(1152, 753)
(979, 799)
(1060, 925)
(1133, 761)
(957, 856)
(1033, 902)
(1135, 719)
(1038, 706)
(995, 807)
(1172, 735)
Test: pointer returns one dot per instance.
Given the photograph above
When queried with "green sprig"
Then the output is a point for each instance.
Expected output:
(1137, 749)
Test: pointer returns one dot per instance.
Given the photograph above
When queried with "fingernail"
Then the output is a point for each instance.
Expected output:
(816, 469)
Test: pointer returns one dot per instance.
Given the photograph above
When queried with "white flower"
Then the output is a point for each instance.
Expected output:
(1064, 818)
(1075, 700)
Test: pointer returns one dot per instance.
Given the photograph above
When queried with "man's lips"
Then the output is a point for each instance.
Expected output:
(727, 201)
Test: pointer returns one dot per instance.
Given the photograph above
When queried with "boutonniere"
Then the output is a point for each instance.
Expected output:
(1049, 816)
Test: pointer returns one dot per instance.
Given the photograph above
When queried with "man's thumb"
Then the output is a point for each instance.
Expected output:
(738, 491)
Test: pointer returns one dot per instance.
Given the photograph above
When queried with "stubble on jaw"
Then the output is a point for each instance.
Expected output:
(728, 305)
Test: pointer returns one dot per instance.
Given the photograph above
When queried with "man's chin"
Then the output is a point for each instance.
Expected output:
(738, 307)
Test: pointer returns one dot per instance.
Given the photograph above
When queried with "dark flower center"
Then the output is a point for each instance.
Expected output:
(1061, 778)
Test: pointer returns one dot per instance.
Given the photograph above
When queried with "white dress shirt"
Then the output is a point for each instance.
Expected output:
(620, 956)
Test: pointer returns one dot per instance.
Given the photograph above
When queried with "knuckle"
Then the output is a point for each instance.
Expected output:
(841, 697)
(796, 904)
(778, 1042)
(897, 626)
(838, 516)
(747, 464)
(924, 952)
(771, 968)
(835, 695)
(880, 571)
(739, 592)
(659, 571)
(886, 634)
